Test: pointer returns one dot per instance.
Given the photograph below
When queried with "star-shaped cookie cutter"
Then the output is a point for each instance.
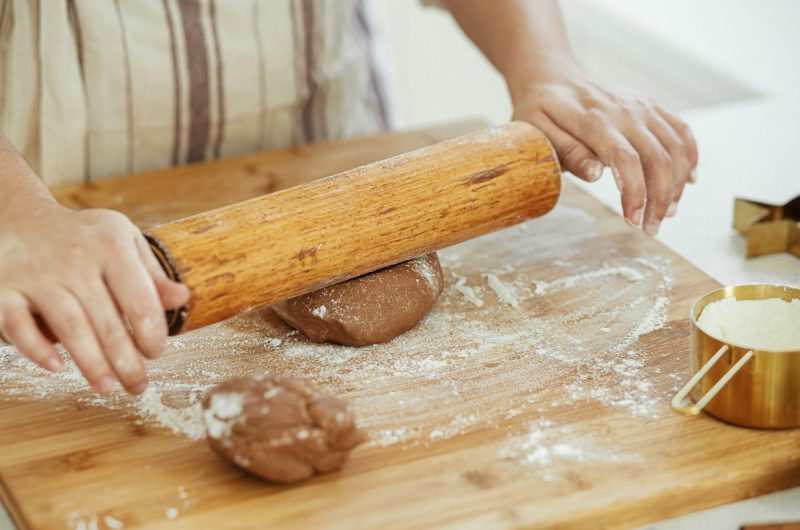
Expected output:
(769, 228)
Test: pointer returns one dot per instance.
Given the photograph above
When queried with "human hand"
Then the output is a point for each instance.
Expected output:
(88, 280)
(651, 151)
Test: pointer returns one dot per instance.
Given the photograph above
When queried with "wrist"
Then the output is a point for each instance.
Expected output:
(22, 192)
(525, 75)
(22, 208)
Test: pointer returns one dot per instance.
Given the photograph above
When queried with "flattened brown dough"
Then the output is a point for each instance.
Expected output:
(281, 429)
(369, 309)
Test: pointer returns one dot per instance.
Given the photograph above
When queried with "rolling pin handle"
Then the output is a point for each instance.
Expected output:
(678, 402)
(175, 317)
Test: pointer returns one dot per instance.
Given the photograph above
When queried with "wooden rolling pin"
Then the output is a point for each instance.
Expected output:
(264, 250)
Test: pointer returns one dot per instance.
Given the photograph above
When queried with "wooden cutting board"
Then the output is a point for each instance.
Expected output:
(536, 393)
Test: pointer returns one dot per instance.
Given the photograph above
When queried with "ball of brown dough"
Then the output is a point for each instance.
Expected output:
(370, 309)
(281, 429)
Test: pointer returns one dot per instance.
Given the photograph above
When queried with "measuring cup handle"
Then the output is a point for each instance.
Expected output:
(679, 401)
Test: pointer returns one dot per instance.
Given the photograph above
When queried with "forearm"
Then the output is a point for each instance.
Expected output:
(20, 187)
(522, 38)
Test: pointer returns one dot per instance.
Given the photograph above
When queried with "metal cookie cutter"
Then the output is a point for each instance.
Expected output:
(770, 228)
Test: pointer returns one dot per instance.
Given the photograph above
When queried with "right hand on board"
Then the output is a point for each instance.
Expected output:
(86, 279)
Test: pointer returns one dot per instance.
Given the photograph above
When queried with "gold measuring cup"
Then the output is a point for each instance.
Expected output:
(738, 384)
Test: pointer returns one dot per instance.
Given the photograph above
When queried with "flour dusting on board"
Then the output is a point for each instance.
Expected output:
(528, 326)
(546, 443)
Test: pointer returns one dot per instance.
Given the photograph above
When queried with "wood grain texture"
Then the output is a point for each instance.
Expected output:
(156, 197)
(290, 242)
(60, 456)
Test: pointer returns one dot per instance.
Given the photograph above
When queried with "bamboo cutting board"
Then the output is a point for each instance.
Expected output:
(536, 393)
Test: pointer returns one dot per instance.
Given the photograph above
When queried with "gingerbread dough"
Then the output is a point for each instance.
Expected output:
(369, 309)
(281, 429)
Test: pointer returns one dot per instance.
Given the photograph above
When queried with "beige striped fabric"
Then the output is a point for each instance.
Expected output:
(96, 88)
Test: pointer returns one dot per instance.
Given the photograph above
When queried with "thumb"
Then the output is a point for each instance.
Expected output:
(573, 155)
(577, 158)
(172, 294)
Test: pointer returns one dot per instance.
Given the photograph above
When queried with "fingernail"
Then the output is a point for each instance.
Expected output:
(693, 176)
(672, 210)
(651, 228)
(593, 170)
(54, 364)
(106, 385)
(138, 389)
(636, 218)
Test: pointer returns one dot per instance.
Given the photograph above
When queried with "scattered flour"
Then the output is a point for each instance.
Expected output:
(504, 293)
(468, 292)
(468, 366)
(427, 271)
(82, 521)
(171, 513)
(570, 282)
(320, 311)
(184, 420)
(545, 445)
(223, 412)
(112, 523)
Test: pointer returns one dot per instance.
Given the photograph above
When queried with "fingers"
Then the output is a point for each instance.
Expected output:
(573, 155)
(681, 163)
(658, 174)
(135, 293)
(19, 327)
(125, 359)
(651, 156)
(683, 130)
(172, 294)
(615, 151)
(69, 322)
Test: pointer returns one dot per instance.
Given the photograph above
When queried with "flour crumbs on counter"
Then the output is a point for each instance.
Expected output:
(469, 293)
(504, 292)
(79, 520)
(112, 523)
(545, 448)
(575, 280)
(186, 420)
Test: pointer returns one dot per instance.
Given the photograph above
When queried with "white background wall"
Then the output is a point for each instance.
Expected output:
(685, 53)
